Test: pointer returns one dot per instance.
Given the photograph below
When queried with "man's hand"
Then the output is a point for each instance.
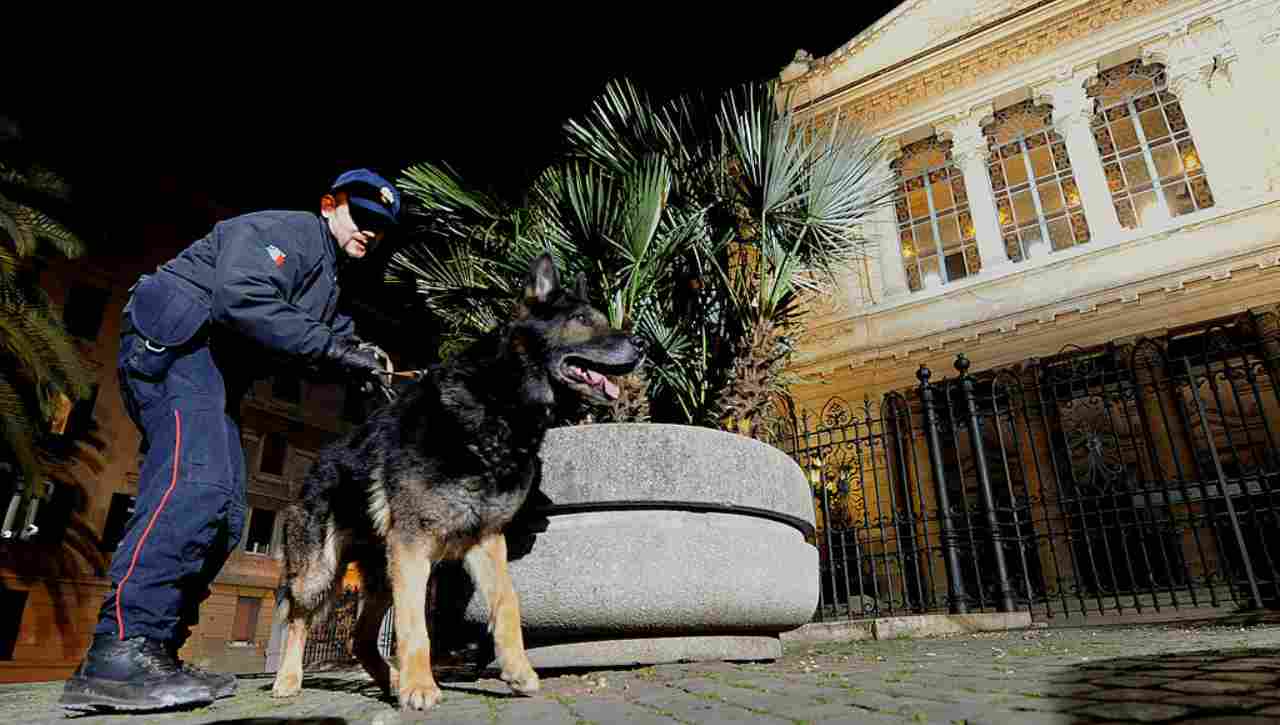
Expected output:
(353, 356)
(384, 360)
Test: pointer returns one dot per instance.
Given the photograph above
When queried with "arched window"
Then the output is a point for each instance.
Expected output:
(1150, 160)
(935, 228)
(1036, 194)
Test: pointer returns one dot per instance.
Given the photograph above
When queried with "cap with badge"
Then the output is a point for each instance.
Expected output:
(369, 192)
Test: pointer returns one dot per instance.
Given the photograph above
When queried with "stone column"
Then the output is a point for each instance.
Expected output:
(884, 224)
(969, 149)
(1072, 113)
(1198, 60)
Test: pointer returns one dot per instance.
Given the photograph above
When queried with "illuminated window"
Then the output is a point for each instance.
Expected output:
(1036, 194)
(1151, 162)
(935, 227)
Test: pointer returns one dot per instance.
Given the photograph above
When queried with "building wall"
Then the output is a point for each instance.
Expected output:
(54, 590)
(947, 68)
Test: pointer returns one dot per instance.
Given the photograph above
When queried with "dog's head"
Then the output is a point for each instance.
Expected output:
(563, 343)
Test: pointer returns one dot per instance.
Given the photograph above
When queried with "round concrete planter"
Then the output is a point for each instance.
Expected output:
(660, 543)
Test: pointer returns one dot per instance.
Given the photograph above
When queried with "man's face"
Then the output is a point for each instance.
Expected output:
(344, 224)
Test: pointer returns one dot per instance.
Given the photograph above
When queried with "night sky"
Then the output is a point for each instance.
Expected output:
(182, 124)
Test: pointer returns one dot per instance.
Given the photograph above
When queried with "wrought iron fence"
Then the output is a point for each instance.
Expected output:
(1126, 477)
(329, 639)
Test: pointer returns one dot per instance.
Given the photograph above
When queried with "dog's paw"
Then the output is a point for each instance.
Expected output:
(522, 680)
(286, 686)
(419, 698)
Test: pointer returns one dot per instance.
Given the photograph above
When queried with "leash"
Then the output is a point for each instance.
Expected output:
(384, 385)
(383, 379)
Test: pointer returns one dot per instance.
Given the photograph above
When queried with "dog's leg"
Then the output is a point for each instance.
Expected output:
(487, 564)
(373, 607)
(289, 676)
(410, 568)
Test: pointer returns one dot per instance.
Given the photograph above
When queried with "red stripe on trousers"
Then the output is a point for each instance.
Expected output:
(137, 549)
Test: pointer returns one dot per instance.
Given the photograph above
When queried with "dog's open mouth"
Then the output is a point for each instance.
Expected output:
(593, 379)
(591, 376)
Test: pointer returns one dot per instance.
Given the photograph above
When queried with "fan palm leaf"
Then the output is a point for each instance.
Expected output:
(38, 362)
(699, 222)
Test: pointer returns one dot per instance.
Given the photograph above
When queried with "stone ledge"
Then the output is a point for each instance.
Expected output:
(923, 625)
(653, 651)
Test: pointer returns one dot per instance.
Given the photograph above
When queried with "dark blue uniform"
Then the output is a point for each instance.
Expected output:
(196, 333)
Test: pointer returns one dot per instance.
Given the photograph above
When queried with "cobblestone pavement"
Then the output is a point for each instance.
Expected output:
(1164, 674)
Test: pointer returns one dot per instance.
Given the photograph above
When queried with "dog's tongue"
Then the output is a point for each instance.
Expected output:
(605, 384)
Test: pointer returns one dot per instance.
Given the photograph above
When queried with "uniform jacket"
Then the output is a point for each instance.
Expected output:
(268, 278)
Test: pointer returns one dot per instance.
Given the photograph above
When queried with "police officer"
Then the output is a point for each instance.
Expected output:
(257, 293)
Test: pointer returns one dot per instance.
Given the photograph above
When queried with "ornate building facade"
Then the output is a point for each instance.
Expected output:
(1087, 194)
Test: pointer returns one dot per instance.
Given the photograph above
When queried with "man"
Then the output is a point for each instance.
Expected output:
(257, 294)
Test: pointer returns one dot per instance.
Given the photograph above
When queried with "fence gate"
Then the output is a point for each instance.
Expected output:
(1123, 478)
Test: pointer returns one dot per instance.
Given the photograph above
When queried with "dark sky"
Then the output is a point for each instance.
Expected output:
(264, 114)
(153, 118)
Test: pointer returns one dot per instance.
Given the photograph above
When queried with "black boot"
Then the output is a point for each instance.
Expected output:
(221, 684)
(133, 675)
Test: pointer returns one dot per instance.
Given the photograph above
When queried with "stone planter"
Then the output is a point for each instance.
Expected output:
(661, 543)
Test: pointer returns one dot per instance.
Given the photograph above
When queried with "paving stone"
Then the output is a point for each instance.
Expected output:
(1133, 674)
(619, 712)
(1250, 677)
(1211, 686)
(1128, 695)
(1139, 711)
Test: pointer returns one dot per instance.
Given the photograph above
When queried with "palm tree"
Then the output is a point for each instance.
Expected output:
(700, 222)
(40, 369)
(802, 197)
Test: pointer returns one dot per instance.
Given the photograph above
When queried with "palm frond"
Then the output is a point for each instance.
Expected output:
(773, 160)
(13, 222)
(619, 128)
(17, 348)
(47, 183)
(462, 287)
(44, 227)
(659, 204)
(439, 198)
(847, 184)
(37, 349)
(8, 260)
(10, 175)
(36, 178)
(26, 226)
(17, 432)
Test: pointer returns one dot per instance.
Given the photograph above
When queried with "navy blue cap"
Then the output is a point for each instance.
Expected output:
(370, 191)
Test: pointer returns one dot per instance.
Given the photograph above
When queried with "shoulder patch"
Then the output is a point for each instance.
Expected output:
(276, 255)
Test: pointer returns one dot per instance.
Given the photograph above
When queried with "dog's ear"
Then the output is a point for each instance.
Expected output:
(543, 281)
(580, 287)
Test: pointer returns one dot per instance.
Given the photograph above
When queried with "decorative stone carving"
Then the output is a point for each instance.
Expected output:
(969, 148)
(995, 57)
(1200, 53)
(1072, 112)
(1197, 60)
(797, 67)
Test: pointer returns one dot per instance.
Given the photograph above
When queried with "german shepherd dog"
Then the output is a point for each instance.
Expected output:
(437, 474)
